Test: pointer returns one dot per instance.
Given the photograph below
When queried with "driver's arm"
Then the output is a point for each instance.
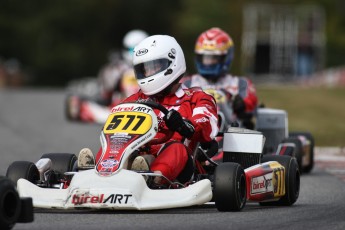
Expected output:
(204, 117)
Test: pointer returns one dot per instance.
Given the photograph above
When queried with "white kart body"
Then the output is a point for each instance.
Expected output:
(110, 185)
(127, 190)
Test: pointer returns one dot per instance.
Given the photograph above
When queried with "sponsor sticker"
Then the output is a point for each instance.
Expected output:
(109, 163)
(141, 52)
(201, 120)
(262, 184)
(122, 108)
(278, 182)
(115, 198)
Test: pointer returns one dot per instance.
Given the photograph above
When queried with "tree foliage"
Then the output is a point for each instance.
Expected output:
(59, 40)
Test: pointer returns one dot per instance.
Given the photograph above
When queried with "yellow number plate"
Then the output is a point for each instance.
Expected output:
(128, 122)
(220, 98)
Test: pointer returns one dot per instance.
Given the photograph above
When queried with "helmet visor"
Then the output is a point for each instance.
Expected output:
(209, 60)
(150, 68)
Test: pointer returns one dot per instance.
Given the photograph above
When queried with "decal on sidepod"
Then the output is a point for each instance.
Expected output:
(262, 184)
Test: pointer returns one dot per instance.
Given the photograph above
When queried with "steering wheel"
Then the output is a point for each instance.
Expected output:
(167, 133)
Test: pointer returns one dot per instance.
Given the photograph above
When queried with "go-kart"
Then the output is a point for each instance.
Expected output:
(79, 108)
(12, 208)
(86, 102)
(53, 181)
(273, 123)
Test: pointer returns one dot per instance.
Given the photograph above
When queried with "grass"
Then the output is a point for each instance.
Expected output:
(320, 111)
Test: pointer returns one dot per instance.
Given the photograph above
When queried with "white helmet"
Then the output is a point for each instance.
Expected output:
(158, 61)
(130, 40)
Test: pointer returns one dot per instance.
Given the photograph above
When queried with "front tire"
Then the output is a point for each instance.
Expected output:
(61, 162)
(10, 204)
(229, 187)
(23, 169)
(292, 179)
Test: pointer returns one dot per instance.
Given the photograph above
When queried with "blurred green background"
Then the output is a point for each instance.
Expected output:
(59, 40)
(319, 110)
(56, 41)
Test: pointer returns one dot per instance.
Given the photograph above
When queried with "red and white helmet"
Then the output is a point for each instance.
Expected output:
(214, 51)
(158, 61)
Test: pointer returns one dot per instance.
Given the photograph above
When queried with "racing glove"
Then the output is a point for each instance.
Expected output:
(238, 105)
(175, 122)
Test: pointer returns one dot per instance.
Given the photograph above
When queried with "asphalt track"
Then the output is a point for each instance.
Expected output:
(32, 122)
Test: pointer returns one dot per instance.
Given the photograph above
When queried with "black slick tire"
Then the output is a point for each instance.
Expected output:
(229, 187)
(292, 180)
(10, 204)
(61, 162)
(23, 169)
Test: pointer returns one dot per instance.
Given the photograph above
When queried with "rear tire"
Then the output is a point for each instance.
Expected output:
(309, 136)
(292, 180)
(23, 169)
(10, 204)
(229, 187)
(26, 211)
(61, 162)
(298, 151)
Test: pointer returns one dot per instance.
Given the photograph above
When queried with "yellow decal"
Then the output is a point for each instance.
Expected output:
(278, 179)
(220, 98)
(128, 122)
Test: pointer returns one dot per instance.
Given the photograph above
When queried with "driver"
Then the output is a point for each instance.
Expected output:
(214, 52)
(159, 65)
(111, 75)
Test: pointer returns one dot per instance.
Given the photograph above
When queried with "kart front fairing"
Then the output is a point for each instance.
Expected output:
(111, 185)
(125, 190)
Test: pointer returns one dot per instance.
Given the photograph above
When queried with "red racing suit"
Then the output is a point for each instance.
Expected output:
(234, 85)
(194, 105)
